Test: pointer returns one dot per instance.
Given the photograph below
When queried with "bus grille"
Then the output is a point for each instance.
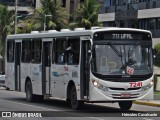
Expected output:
(124, 97)
(125, 89)
(2, 81)
(129, 96)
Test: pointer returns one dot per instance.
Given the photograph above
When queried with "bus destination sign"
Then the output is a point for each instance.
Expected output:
(123, 35)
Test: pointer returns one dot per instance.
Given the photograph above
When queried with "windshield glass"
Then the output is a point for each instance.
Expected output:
(122, 59)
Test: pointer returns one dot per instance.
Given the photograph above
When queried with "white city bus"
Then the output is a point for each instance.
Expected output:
(97, 65)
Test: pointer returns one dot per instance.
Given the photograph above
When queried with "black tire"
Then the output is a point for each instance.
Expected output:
(39, 98)
(75, 104)
(125, 105)
(7, 88)
(29, 93)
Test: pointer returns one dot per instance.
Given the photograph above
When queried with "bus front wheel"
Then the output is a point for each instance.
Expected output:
(29, 93)
(75, 104)
(125, 105)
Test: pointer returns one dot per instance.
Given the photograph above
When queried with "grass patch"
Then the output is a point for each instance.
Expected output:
(157, 92)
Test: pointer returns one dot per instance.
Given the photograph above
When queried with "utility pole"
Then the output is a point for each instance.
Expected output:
(44, 24)
(15, 20)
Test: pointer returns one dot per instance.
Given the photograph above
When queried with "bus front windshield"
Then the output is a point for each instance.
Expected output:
(122, 59)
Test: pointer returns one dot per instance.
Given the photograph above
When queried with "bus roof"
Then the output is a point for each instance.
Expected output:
(70, 33)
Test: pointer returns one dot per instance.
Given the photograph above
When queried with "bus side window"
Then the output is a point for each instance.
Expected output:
(60, 50)
(36, 51)
(73, 50)
(10, 51)
(26, 51)
(53, 51)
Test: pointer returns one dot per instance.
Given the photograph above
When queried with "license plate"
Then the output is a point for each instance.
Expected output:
(125, 95)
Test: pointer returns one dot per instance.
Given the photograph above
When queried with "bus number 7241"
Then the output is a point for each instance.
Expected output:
(135, 84)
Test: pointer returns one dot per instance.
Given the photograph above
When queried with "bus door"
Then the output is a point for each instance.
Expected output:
(46, 66)
(85, 68)
(17, 64)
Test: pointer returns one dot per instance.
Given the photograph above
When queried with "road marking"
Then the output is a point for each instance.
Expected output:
(48, 109)
(147, 119)
(95, 118)
(30, 105)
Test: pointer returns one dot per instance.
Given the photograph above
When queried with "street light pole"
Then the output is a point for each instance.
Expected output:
(44, 24)
(15, 20)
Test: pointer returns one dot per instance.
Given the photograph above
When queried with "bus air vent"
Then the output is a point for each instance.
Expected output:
(51, 31)
(65, 30)
(34, 32)
(95, 27)
(79, 29)
(124, 88)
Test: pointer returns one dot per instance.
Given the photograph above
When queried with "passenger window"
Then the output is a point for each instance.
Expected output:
(26, 51)
(10, 51)
(60, 50)
(36, 50)
(53, 51)
(73, 50)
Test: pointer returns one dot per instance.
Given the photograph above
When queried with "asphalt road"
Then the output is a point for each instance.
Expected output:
(60, 110)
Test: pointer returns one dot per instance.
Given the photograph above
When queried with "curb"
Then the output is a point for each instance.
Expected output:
(147, 103)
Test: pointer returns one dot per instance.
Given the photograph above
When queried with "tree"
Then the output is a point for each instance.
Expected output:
(157, 47)
(87, 15)
(59, 18)
(6, 26)
(32, 22)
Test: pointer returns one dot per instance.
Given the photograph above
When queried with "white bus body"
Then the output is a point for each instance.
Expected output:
(76, 65)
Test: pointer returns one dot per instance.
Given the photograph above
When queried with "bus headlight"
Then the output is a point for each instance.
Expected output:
(144, 88)
(95, 83)
(99, 86)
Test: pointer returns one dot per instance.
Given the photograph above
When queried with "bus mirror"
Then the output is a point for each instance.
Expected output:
(89, 52)
(2, 73)
(90, 55)
(67, 50)
(154, 53)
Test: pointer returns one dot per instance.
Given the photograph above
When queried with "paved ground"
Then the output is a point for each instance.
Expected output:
(15, 101)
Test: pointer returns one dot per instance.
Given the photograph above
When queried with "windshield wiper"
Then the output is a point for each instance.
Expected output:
(116, 51)
(119, 53)
(131, 51)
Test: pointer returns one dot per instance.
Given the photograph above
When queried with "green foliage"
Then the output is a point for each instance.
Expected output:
(6, 26)
(31, 23)
(155, 82)
(59, 18)
(157, 47)
(87, 15)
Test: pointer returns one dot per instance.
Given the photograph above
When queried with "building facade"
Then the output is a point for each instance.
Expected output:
(23, 6)
(28, 6)
(142, 14)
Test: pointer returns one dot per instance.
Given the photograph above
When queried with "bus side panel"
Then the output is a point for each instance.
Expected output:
(36, 78)
(57, 81)
(10, 81)
(60, 77)
(73, 72)
(25, 72)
